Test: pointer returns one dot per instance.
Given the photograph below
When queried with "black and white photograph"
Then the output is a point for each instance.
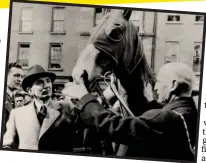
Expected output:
(103, 81)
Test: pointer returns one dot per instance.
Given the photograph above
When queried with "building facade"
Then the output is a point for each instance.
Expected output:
(54, 36)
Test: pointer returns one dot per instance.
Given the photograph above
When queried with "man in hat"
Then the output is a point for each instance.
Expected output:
(14, 80)
(42, 124)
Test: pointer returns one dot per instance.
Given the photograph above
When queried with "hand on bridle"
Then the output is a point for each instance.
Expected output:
(148, 93)
(108, 93)
(73, 90)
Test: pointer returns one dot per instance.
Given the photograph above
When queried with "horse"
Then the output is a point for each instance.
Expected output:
(114, 45)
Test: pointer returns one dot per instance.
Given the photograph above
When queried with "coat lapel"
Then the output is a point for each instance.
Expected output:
(29, 124)
(9, 103)
(52, 115)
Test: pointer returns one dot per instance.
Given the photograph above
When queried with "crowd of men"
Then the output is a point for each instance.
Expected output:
(32, 120)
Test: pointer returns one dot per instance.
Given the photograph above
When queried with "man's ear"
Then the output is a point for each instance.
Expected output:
(174, 86)
(28, 89)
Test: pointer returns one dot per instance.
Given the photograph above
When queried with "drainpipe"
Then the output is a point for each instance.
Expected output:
(154, 41)
(143, 22)
(94, 17)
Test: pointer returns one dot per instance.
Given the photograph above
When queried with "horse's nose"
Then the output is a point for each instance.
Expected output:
(77, 74)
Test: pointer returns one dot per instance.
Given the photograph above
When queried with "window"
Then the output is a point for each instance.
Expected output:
(58, 19)
(23, 54)
(26, 20)
(55, 56)
(173, 18)
(171, 51)
(136, 18)
(199, 18)
(98, 15)
(197, 56)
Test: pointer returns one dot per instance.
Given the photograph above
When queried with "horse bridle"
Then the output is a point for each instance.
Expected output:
(94, 85)
(112, 85)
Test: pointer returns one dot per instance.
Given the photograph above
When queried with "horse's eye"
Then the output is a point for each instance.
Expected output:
(115, 32)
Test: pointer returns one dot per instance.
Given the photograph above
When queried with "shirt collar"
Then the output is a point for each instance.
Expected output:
(39, 104)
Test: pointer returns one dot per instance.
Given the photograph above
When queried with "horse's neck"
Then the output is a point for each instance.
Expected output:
(133, 86)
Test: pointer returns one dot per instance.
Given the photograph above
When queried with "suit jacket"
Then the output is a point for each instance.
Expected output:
(158, 133)
(9, 105)
(56, 134)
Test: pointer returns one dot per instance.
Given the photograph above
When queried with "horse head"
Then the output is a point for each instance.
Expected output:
(114, 45)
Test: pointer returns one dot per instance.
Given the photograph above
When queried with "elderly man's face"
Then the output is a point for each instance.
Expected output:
(42, 88)
(15, 77)
(163, 86)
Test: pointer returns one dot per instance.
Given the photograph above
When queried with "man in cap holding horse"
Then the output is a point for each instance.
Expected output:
(167, 133)
(42, 124)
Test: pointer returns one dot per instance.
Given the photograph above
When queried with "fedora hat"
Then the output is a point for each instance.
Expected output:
(35, 72)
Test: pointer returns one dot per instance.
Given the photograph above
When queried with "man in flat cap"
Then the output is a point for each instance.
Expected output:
(42, 124)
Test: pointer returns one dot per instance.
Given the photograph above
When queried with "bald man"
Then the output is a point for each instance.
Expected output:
(166, 133)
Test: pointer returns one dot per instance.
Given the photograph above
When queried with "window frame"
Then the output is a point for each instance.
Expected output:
(49, 61)
(173, 22)
(21, 21)
(178, 55)
(52, 31)
(18, 53)
(95, 15)
(140, 21)
(199, 22)
(198, 42)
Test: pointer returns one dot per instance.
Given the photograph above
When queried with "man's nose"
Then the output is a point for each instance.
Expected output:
(46, 85)
(20, 78)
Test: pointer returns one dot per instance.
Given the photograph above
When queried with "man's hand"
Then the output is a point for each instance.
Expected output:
(148, 92)
(73, 90)
(108, 93)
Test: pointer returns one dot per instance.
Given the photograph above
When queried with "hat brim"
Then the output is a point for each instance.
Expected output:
(29, 80)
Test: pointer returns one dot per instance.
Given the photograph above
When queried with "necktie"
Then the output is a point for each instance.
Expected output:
(42, 114)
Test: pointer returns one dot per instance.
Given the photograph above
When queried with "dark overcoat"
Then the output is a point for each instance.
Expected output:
(167, 133)
(9, 105)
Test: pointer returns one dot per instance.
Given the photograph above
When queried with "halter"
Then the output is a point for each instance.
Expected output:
(114, 87)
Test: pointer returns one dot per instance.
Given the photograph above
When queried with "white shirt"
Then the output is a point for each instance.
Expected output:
(39, 104)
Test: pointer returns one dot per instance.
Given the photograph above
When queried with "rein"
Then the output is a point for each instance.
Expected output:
(113, 85)
(115, 91)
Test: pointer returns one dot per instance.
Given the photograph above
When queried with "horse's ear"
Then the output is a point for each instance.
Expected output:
(106, 10)
(126, 14)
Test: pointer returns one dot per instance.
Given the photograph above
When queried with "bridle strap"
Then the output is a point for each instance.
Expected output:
(114, 89)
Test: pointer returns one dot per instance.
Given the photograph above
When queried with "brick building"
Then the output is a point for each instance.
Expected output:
(53, 36)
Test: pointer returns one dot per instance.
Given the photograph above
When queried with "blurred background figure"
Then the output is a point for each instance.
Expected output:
(19, 99)
(54, 97)
(61, 98)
